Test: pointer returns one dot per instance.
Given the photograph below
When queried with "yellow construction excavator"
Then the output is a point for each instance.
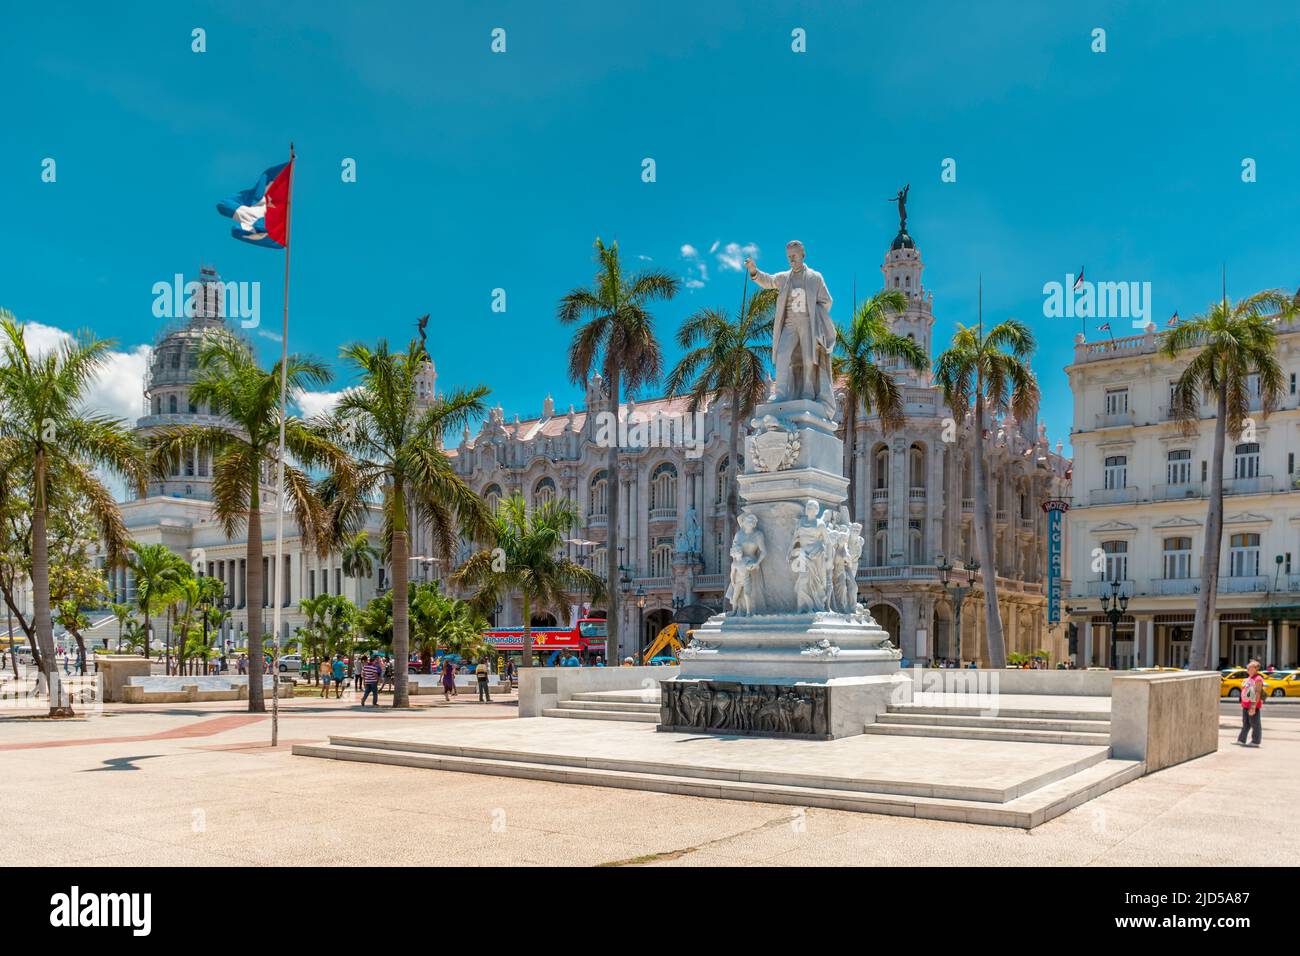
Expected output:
(667, 643)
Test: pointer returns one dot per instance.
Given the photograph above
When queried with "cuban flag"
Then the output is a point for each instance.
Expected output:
(261, 214)
(1079, 281)
(1173, 320)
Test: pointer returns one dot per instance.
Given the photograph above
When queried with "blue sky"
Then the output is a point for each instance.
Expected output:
(478, 171)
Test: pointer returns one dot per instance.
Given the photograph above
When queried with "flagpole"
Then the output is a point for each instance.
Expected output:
(279, 476)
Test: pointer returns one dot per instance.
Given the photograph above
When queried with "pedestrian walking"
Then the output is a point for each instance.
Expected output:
(481, 673)
(448, 681)
(326, 675)
(1252, 703)
(370, 678)
(340, 671)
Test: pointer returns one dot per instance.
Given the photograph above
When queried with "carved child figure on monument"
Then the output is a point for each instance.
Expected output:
(748, 550)
(803, 334)
(808, 559)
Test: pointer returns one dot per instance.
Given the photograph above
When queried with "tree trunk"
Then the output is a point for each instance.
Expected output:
(984, 542)
(60, 706)
(733, 470)
(401, 608)
(851, 443)
(528, 634)
(611, 533)
(253, 602)
(1205, 634)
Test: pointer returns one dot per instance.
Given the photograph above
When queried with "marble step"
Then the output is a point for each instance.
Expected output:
(562, 711)
(992, 733)
(648, 696)
(634, 707)
(1002, 710)
(795, 776)
(1026, 811)
(1007, 723)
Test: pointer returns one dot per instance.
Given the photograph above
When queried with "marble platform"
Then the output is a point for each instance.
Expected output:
(1001, 783)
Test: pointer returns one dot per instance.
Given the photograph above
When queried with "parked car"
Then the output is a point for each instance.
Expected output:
(1282, 684)
(290, 662)
(1230, 681)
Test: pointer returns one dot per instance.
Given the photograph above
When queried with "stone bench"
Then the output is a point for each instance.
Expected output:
(432, 684)
(181, 690)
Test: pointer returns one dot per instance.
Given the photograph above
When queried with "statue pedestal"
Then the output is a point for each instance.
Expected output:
(817, 674)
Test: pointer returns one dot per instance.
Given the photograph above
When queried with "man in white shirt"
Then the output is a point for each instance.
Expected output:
(803, 334)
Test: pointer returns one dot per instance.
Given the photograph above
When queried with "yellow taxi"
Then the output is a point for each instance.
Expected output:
(1282, 684)
(1230, 680)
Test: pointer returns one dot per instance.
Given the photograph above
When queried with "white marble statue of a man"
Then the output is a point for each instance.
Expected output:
(803, 334)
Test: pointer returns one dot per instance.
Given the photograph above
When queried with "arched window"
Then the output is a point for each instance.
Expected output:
(598, 493)
(661, 558)
(171, 404)
(194, 406)
(492, 496)
(722, 479)
(1116, 560)
(880, 465)
(543, 492)
(1178, 557)
(915, 546)
(916, 462)
(663, 489)
(881, 544)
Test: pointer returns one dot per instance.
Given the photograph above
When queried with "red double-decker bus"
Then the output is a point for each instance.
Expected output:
(586, 637)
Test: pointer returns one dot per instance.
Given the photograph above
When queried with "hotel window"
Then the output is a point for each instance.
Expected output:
(311, 583)
(882, 543)
(1178, 470)
(1116, 560)
(1116, 401)
(1290, 463)
(1243, 558)
(1178, 557)
(722, 479)
(1252, 384)
(1293, 383)
(492, 496)
(1116, 473)
(338, 580)
(1245, 461)
(598, 494)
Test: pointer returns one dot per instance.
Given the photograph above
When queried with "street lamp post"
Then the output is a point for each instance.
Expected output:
(957, 593)
(1114, 605)
(640, 617)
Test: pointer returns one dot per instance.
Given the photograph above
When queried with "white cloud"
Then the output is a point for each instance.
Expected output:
(267, 334)
(690, 252)
(714, 248)
(118, 390)
(317, 403)
(733, 254)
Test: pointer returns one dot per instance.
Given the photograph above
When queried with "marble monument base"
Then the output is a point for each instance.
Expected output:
(817, 676)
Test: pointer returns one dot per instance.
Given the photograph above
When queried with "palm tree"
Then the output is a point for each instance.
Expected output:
(157, 570)
(532, 543)
(123, 613)
(244, 448)
(618, 335)
(866, 383)
(396, 437)
(54, 442)
(359, 557)
(727, 358)
(1232, 342)
(993, 371)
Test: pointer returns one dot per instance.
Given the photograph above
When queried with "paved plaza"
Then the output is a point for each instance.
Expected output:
(199, 784)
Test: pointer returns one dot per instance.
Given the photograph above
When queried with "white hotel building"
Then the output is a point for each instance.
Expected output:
(1140, 491)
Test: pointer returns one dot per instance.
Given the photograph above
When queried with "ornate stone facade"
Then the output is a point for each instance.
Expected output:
(911, 493)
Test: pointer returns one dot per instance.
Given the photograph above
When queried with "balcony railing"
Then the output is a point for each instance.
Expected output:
(1001, 516)
(1258, 485)
(1248, 584)
(968, 504)
(879, 494)
(1167, 586)
(1098, 588)
(897, 572)
(1114, 419)
(1187, 489)
(917, 494)
(1112, 496)
(596, 521)
(663, 514)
